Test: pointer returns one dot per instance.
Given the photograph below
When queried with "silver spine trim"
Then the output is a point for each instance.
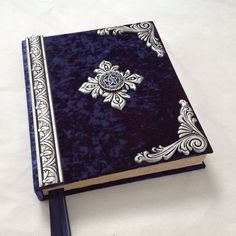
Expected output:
(46, 142)
(34, 115)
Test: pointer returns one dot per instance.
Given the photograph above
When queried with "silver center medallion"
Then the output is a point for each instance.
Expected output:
(112, 84)
(111, 81)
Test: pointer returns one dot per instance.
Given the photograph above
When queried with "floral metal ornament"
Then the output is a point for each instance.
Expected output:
(112, 84)
(145, 32)
(190, 139)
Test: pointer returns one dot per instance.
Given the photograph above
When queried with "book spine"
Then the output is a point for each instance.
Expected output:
(47, 148)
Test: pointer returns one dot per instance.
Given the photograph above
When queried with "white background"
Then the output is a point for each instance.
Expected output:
(200, 37)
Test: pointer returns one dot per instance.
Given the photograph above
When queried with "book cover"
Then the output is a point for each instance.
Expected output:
(106, 106)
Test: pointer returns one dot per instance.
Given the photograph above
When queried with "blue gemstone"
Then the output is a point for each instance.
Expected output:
(112, 80)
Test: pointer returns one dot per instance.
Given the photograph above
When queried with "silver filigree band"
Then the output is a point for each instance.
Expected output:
(190, 139)
(145, 32)
(47, 151)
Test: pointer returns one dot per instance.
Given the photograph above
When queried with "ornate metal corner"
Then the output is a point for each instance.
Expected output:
(145, 32)
(190, 139)
(47, 151)
(111, 84)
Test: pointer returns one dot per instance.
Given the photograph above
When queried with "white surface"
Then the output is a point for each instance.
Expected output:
(200, 37)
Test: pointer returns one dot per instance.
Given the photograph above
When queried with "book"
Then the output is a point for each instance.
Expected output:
(106, 107)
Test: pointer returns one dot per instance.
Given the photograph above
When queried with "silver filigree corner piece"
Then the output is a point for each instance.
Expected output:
(145, 31)
(112, 84)
(190, 139)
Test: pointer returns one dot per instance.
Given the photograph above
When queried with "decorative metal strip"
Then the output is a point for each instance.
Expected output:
(190, 139)
(145, 32)
(111, 84)
(47, 151)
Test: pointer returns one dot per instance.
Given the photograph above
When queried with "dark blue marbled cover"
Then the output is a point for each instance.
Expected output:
(94, 138)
